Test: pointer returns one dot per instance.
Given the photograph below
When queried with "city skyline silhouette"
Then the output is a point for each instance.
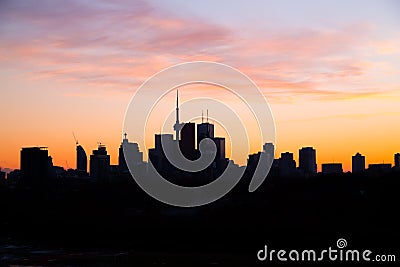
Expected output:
(331, 86)
(188, 139)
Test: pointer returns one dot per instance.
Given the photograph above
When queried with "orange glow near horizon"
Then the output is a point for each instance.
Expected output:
(336, 131)
(332, 83)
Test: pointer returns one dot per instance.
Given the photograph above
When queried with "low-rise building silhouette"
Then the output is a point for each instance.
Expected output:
(380, 167)
(332, 168)
(2, 176)
(397, 161)
(14, 177)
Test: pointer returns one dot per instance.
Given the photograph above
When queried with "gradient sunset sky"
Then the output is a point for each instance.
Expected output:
(330, 70)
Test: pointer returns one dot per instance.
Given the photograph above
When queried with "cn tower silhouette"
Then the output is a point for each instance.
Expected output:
(178, 126)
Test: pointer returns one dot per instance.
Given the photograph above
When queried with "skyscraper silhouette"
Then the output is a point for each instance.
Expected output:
(185, 140)
(157, 155)
(188, 141)
(287, 165)
(100, 164)
(34, 165)
(357, 163)
(204, 130)
(81, 159)
(220, 144)
(133, 150)
(307, 161)
(269, 149)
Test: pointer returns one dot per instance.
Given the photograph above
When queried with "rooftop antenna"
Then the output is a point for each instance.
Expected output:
(76, 141)
(202, 116)
(207, 115)
(66, 161)
(125, 136)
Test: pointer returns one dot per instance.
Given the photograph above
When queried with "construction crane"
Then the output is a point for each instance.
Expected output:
(76, 140)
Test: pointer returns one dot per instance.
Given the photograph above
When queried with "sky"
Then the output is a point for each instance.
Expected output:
(330, 70)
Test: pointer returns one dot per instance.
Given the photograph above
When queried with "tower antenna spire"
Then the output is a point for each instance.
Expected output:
(177, 98)
(177, 124)
(201, 116)
(207, 115)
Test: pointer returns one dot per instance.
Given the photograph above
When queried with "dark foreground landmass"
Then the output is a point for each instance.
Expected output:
(77, 223)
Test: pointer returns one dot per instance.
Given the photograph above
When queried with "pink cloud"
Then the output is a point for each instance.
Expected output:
(120, 44)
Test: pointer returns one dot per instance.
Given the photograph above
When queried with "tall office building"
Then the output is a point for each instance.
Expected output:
(135, 155)
(81, 159)
(397, 160)
(307, 161)
(188, 141)
(357, 163)
(35, 167)
(157, 155)
(204, 130)
(220, 144)
(269, 148)
(100, 164)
